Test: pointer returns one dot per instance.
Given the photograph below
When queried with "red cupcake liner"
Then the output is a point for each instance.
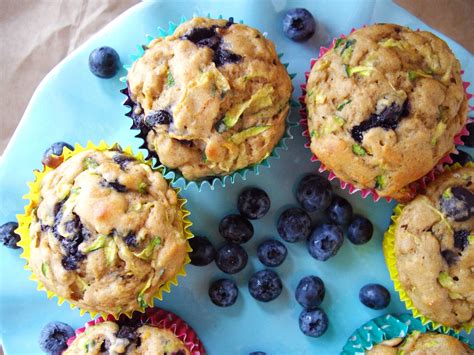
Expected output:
(159, 318)
(414, 186)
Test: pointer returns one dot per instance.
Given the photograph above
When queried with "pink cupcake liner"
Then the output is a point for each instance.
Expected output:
(159, 318)
(414, 186)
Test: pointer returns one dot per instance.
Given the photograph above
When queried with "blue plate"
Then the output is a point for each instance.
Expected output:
(72, 105)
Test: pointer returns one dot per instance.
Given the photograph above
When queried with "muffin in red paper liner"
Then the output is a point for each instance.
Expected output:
(365, 104)
(157, 331)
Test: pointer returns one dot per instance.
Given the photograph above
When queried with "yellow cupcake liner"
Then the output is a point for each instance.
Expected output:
(388, 247)
(33, 195)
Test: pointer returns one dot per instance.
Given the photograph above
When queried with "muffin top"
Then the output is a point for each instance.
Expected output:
(210, 99)
(435, 234)
(421, 344)
(112, 338)
(383, 107)
(107, 232)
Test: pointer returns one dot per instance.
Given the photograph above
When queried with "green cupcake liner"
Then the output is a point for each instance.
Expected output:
(174, 174)
(387, 327)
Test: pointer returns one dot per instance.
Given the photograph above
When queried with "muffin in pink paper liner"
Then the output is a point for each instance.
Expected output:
(157, 331)
(382, 108)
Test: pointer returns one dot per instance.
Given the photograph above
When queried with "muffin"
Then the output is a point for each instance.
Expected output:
(384, 105)
(418, 343)
(434, 234)
(210, 99)
(104, 231)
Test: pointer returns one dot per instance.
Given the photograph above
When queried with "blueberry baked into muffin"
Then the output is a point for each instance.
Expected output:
(384, 106)
(107, 232)
(210, 99)
(114, 338)
(421, 344)
(434, 249)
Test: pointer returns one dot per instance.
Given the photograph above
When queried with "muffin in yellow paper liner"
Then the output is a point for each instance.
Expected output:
(145, 297)
(391, 259)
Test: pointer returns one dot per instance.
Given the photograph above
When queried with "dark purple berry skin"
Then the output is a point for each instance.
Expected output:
(294, 225)
(314, 193)
(313, 323)
(299, 25)
(265, 285)
(374, 296)
(236, 229)
(457, 205)
(223, 293)
(231, 258)
(53, 337)
(325, 241)
(104, 62)
(461, 239)
(339, 211)
(56, 149)
(272, 253)
(310, 292)
(8, 237)
(159, 117)
(203, 252)
(450, 256)
(122, 160)
(360, 230)
(253, 203)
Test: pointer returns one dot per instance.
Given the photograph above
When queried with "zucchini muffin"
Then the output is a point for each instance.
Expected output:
(109, 337)
(434, 249)
(210, 99)
(422, 344)
(384, 106)
(106, 232)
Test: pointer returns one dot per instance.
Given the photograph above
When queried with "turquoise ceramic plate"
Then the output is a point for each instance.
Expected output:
(72, 105)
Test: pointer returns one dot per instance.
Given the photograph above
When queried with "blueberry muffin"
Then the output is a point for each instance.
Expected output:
(435, 234)
(112, 338)
(384, 106)
(210, 99)
(106, 232)
(422, 344)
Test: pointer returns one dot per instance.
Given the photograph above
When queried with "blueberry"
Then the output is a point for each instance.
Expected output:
(8, 237)
(325, 241)
(104, 62)
(340, 211)
(50, 156)
(457, 203)
(122, 160)
(253, 203)
(462, 157)
(294, 224)
(53, 338)
(299, 25)
(461, 239)
(236, 229)
(271, 252)
(374, 296)
(223, 293)
(231, 258)
(451, 257)
(203, 251)
(223, 56)
(469, 140)
(360, 230)
(314, 193)
(310, 292)
(265, 285)
(128, 332)
(159, 117)
(313, 323)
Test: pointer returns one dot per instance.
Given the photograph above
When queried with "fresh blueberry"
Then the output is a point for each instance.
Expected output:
(223, 292)
(325, 241)
(310, 292)
(374, 296)
(236, 229)
(313, 323)
(104, 62)
(231, 258)
(457, 203)
(299, 25)
(203, 252)
(294, 224)
(271, 252)
(462, 157)
(8, 237)
(469, 139)
(265, 285)
(340, 211)
(314, 193)
(253, 203)
(54, 336)
(360, 230)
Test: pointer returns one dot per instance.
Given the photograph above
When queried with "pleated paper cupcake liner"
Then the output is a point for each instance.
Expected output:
(388, 246)
(175, 174)
(388, 327)
(365, 192)
(33, 195)
(159, 318)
